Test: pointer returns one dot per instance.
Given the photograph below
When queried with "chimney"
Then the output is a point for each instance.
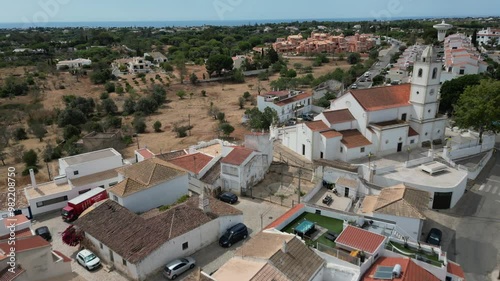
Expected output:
(204, 203)
(284, 247)
(32, 176)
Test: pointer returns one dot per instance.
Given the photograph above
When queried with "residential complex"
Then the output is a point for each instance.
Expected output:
(461, 57)
(324, 43)
(72, 64)
(488, 36)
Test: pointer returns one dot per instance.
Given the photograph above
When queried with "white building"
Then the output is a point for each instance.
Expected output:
(379, 120)
(489, 34)
(139, 246)
(287, 104)
(71, 64)
(149, 184)
(139, 65)
(77, 174)
(34, 260)
(461, 58)
(158, 57)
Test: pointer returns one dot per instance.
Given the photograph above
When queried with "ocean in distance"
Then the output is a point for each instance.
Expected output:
(160, 24)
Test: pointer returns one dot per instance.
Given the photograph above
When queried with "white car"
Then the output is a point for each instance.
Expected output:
(354, 86)
(176, 267)
(88, 259)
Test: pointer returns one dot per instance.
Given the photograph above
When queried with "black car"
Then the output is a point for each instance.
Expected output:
(44, 232)
(434, 237)
(228, 197)
(233, 234)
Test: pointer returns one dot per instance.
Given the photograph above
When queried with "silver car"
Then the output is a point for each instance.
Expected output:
(88, 259)
(177, 267)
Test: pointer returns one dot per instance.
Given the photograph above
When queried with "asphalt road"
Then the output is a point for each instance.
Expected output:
(477, 243)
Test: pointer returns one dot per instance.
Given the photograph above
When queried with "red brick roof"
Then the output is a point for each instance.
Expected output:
(410, 271)
(353, 139)
(192, 162)
(331, 134)
(19, 233)
(317, 126)
(294, 99)
(412, 132)
(146, 153)
(360, 239)
(23, 244)
(455, 269)
(285, 216)
(237, 156)
(338, 116)
(6, 275)
(380, 98)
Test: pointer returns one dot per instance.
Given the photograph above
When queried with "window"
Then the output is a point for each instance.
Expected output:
(124, 262)
(341, 149)
(100, 245)
(462, 71)
(83, 191)
(115, 198)
(420, 71)
(309, 102)
(184, 245)
(113, 183)
(75, 173)
(431, 92)
(403, 116)
(362, 149)
(303, 149)
(412, 141)
(51, 201)
(321, 155)
(434, 73)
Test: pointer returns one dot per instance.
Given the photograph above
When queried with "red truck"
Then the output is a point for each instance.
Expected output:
(77, 205)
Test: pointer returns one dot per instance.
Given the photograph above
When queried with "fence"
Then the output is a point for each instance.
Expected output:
(338, 254)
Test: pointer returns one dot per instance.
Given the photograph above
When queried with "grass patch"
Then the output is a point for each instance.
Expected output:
(333, 225)
(432, 257)
(181, 200)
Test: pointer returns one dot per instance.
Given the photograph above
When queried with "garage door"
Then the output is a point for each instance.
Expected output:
(442, 200)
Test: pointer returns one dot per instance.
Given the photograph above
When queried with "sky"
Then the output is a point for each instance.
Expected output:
(36, 11)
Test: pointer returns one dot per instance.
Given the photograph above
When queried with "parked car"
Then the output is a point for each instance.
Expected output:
(44, 232)
(228, 197)
(88, 259)
(233, 235)
(176, 267)
(434, 237)
(354, 86)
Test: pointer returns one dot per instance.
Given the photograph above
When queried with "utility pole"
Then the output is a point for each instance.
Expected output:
(137, 140)
(300, 175)
(189, 123)
(282, 165)
(48, 171)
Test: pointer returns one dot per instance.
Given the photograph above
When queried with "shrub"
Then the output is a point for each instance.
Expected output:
(181, 94)
(26, 171)
(183, 199)
(139, 125)
(104, 95)
(30, 158)
(110, 87)
(246, 96)
(157, 126)
(20, 134)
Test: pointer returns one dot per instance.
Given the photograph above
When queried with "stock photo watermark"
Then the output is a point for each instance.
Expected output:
(48, 10)
(11, 221)
(223, 6)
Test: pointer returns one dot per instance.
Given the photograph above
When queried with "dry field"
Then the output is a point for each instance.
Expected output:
(192, 109)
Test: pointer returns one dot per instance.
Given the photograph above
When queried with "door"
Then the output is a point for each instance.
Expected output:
(400, 146)
(111, 258)
(403, 117)
(346, 192)
(442, 200)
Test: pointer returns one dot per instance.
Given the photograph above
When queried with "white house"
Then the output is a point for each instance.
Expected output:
(379, 120)
(461, 58)
(35, 260)
(139, 246)
(400, 204)
(77, 174)
(287, 104)
(489, 34)
(157, 57)
(71, 64)
(149, 184)
(139, 65)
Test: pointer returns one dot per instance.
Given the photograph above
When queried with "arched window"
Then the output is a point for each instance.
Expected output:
(434, 73)
(420, 72)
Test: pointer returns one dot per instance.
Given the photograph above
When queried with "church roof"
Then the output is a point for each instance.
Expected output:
(338, 116)
(353, 139)
(380, 98)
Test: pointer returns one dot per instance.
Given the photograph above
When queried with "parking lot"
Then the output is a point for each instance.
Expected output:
(256, 213)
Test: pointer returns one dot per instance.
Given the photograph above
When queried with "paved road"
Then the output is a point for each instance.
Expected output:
(477, 243)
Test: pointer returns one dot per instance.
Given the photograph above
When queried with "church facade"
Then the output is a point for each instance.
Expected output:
(374, 121)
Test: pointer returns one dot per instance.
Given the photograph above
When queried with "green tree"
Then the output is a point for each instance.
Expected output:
(474, 38)
(378, 80)
(110, 87)
(226, 129)
(353, 58)
(374, 54)
(71, 131)
(146, 105)
(38, 129)
(167, 67)
(157, 126)
(452, 89)
(272, 56)
(129, 106)
(139, 125)
(193, 78)
(217, 63)
(241, 102)
(181, 94)
(247, 95)
(221, 116)
(20, 134)
(261, 120)
(238, 76)
(30, 158)
(479, 108)
(109, 106)
(159, 94)
(71, 116)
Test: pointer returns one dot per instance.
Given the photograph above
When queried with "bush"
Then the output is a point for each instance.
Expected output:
(110, 87)
(71, 131)
(181, 94)
(247, 95)
(139, 125)
(183, 199)
(157, 126)
(104, 95)
(203, 93)
(182, 130)
(30, 158)
(20, 134)
(241, 102)
(119, 89)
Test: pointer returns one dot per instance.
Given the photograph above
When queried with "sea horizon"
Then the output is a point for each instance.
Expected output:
(181, 23)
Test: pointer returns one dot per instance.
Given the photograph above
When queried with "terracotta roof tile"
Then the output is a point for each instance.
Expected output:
(134, 237)
(212, 174)
(170, 155)
(401, 201)
(6, 275)
(192, 162)
(360, 239)
(410, 271)
(455, 269)
(294, 99)
(317, 126)
(146, 153)
(237, 156)
(331, 134)
(23, 244)
(269, 272)
(19, 233)
(285, 216)
(412, 132)
(338, 116)
(353, 139)
(380, 98)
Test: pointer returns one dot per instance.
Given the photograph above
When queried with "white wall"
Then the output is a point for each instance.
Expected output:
(347, 101)
(254, 171)
(90, 167)
(411, 226)
(165, 193)
(40, 265)
(226, 222)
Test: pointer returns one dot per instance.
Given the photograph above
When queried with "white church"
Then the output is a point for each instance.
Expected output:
(376, 121)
